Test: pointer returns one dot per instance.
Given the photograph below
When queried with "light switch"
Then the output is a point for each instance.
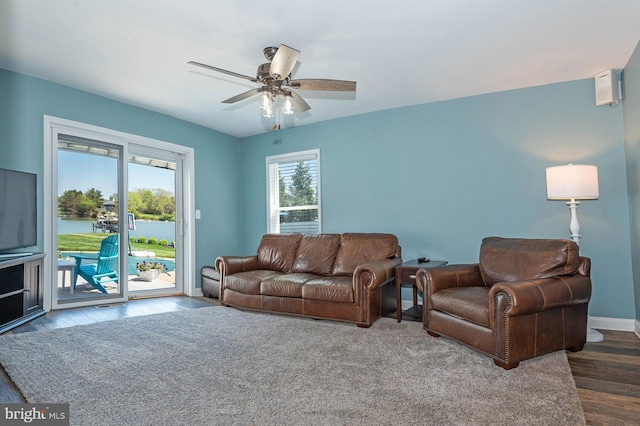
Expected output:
(197, 214)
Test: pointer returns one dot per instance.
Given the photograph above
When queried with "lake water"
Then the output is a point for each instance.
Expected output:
(159, 230)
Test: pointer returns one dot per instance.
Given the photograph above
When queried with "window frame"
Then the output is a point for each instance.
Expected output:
(272, 185)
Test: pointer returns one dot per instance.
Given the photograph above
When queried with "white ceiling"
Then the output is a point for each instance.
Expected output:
(401, 53)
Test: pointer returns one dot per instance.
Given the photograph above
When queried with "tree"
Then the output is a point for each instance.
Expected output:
(157, 202)
(149, 202)
(95, 196)
(284, 197)
(135, 203)
(152, 202)
(302, 194)
(165, 201)
(69, 201)
(86, 207)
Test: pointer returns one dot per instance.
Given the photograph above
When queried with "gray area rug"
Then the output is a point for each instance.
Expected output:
(218, 365)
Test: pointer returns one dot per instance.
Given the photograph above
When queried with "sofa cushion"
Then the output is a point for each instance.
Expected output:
(248, 282)
(316, 253)
(518, 259)
(357, 249)
(277, 252)
(331, 289)
(285, 285)
(468, 303)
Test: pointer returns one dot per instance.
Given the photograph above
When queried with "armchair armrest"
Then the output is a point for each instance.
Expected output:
(531, 296)
(439, 278)
(227, 265)
(84, 256)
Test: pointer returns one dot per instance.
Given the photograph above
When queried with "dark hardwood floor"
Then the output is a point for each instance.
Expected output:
(607, 374)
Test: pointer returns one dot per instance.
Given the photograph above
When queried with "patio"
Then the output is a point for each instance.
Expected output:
(84, 290)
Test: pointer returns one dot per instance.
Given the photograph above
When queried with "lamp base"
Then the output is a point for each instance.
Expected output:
(594, 335)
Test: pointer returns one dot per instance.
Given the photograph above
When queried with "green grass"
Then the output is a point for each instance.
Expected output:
(91, 242)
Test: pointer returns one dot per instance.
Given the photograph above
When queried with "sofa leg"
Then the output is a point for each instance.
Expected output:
(505, 365)
(577, 348)
(432, 334)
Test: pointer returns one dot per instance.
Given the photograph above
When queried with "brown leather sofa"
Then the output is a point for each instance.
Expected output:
(346, 277)
(525, 298)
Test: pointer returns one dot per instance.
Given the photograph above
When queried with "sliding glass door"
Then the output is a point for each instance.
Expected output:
(89, 229)
(115, 206)
(154, 210)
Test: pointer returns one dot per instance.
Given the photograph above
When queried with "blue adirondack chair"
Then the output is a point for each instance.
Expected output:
(104, 270)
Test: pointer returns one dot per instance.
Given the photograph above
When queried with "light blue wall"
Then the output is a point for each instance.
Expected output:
(631, 102)
(442, 176)
(25, 100)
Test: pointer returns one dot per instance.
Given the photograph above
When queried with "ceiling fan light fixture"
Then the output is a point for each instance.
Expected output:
(287, 103)
(266, 104)
(268, 111)
(265, 100)
(274, 76)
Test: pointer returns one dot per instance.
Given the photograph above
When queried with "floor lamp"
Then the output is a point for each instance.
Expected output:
(574, 182)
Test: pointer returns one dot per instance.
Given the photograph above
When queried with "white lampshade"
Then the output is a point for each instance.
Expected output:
(573, 181)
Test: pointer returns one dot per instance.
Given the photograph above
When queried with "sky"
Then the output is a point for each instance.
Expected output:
(82, 172)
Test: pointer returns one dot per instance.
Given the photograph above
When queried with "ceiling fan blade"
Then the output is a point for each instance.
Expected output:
(235, 74)
(299, 104)
(323, 84)
(242, 96)
(283, 62)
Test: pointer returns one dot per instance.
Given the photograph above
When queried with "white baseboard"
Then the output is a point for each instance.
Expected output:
(618, 324)
(197, 292)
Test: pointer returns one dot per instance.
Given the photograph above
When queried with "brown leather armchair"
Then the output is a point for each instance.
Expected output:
(525, 298)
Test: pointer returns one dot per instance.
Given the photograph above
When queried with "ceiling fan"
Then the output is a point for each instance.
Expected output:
(275, 80)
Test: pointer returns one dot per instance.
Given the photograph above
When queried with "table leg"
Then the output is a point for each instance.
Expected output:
(398, 300)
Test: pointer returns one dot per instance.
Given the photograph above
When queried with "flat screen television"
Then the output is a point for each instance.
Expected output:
(18, 210)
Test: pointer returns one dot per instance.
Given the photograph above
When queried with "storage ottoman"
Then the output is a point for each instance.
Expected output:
(210, 281)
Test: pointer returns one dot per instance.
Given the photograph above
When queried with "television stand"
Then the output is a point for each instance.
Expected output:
(21, 289)
(12, 255)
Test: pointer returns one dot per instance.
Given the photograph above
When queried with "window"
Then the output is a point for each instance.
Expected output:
(293, 193)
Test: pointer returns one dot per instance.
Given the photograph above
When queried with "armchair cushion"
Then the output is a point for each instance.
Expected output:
(467, 303)
(519, 259)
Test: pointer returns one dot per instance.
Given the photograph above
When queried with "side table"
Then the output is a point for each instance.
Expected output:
(406, 275)
(64, 266)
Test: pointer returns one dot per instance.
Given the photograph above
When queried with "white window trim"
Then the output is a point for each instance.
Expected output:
(273, 203)
(55, 124)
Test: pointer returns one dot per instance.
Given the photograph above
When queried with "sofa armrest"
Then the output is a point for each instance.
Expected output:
(531, 296)
(227, 265)
(439, 278)
(370, 276)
